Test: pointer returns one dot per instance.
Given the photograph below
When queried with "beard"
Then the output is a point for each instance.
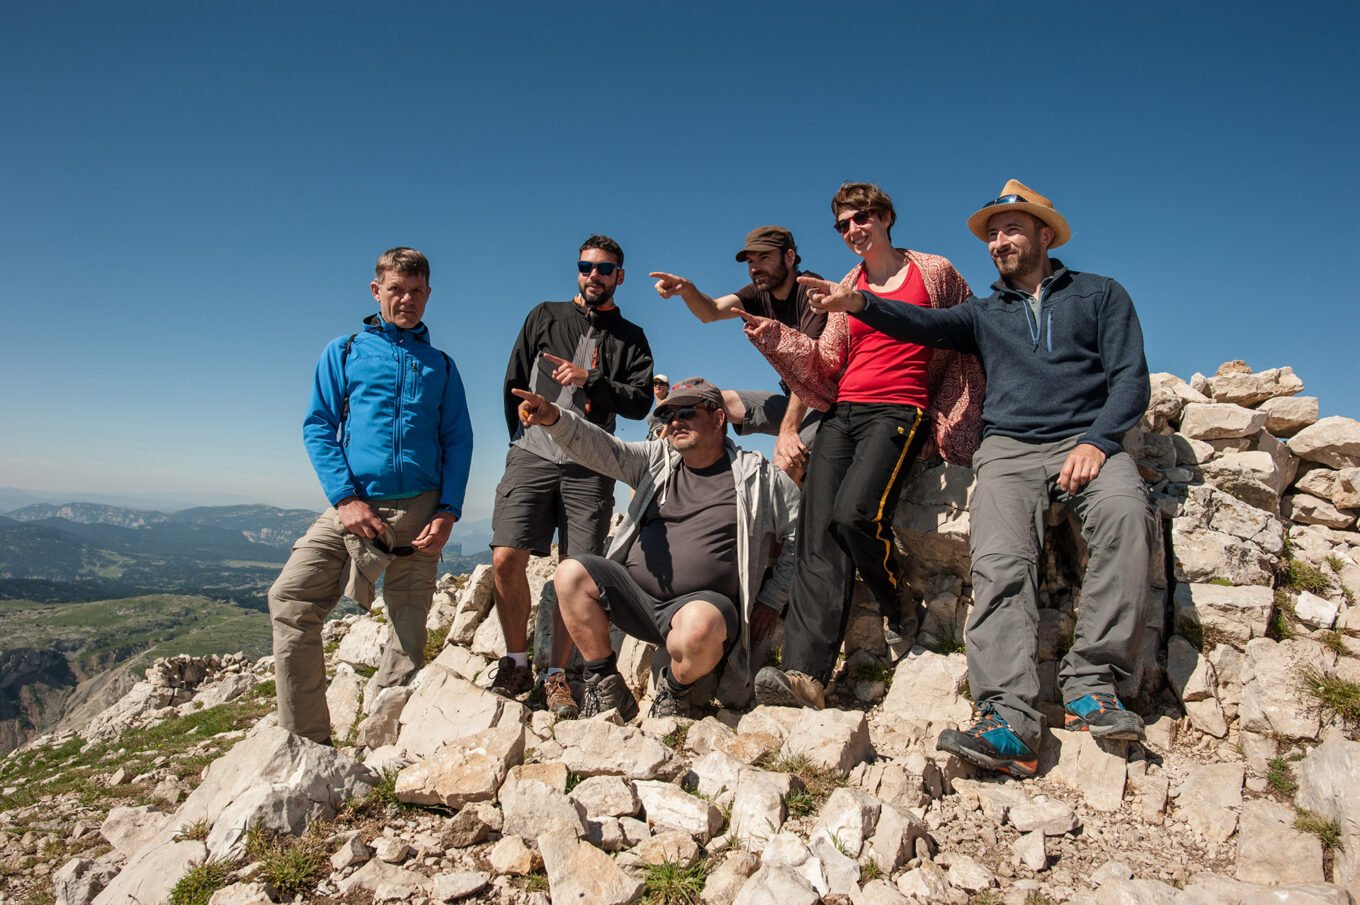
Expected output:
(597, 296)
(1017, 265)
(772, 279)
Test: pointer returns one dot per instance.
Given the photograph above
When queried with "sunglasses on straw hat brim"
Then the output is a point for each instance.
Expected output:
(1017, 196)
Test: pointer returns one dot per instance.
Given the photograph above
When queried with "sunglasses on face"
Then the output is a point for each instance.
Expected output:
(606, 268)
(683, 412)
(859, 218)
(1007, 199)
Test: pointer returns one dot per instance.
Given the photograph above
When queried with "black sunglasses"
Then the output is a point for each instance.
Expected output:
(606, 268)
(859, 218)
(683, 412)
(392, 551)
(1007, 199)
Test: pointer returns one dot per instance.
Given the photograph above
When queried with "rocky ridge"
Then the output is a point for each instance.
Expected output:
(1247, 789)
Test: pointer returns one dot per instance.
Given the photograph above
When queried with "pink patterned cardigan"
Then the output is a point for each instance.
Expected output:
(813, 368)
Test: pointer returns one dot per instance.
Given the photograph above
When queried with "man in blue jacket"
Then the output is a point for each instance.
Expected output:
(390, 439)
(1066, 378)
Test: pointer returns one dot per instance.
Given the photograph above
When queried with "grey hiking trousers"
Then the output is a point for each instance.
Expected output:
(1016, 481)
(309, 587)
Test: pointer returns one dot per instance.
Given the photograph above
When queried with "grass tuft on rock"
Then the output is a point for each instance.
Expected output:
(1335, 642)
(197, 886)
(1281, 625)
(1280, 776)
(818, 782)
(1298, 575)
(1332, 693)
(675, 739)
(434, 642)
(1327, 831)
(668, 883)
(291, 866)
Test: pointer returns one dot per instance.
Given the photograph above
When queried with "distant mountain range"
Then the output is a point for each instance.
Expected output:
(79, 551)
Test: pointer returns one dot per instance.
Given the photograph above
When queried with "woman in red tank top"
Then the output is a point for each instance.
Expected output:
(876, 392)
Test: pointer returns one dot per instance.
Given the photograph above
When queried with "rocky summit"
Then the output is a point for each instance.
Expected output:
(1246, 790)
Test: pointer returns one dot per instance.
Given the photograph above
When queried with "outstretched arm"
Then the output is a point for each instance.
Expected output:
(705, 307)
(585, 443)
(939, 328)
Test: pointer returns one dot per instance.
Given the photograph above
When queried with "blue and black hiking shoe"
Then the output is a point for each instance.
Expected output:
(990, 743)
(1103, 716)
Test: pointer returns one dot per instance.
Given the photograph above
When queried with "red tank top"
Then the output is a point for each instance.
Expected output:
(881, 369)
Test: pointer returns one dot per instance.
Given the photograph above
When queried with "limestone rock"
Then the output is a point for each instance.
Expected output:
(1031, 851)
(1217, 614)
(363, 643)
(841, 872)
(1346, 494)
(343, 698)
(1094, 767)
(777, 885)
(833, 739)
(463, 770)
(383, 722)
(1252, 477)
(789, 851)
(534, 808)
(758, 810)
(151, 875)
(1309, 510)
(1210, 798)
(878, 892)
(847, 819)
(1329, 782)
(926, 883)
(968, 874)
(1271, 700)
(241, 894)
(129, 829)
(392, 850)
(1270, 850)
(668, 805)
(462, 662)
(670, 847)
(472, 824)
(352, 851)
(725, 881)
(1287, 415)
(387, 882)
(511, 856)
(1249, 389)
(1050, 817)
(443, 707)
(1316, 611)
(80, 880)
(606, 796)
(1214, 421)
(1333, 441)
(580, 873)
(894, 839)
(1208, 889)
(451, 887)
(597, 747)
(1216, 536)
(930, 687)
(933, 522)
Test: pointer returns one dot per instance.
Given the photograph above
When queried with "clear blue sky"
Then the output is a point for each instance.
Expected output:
(194, 193)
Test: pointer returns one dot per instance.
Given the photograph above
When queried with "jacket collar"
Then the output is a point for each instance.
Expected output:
(1059, 274)
(376, 324)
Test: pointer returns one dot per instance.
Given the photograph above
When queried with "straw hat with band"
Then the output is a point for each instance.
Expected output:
(1015, 195)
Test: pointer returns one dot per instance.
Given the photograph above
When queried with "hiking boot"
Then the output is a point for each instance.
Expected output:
(668, 703)
(990, 743)
(557, 697)
(1103, 716)
(789, 689)
(608, 693)
(511, 680)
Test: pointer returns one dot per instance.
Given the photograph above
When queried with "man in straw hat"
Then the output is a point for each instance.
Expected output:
(1066, 378)
(771, 256)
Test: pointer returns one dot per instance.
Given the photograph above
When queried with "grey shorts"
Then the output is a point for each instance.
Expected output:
(765, 411)
(536, 497)
(643, 616)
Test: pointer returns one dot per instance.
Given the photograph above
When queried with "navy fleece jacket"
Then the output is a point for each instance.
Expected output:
(1080, 371)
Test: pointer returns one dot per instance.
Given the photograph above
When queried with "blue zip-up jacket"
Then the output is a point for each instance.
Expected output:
(1079, 371)
(408, 429)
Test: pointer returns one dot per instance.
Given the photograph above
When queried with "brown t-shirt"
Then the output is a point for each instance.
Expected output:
(689, 542)
(793, 311)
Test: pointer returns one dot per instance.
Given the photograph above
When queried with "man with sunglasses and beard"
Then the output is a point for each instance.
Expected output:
(772, 259)
(686, 567)
(583, 356)
(1066, 379)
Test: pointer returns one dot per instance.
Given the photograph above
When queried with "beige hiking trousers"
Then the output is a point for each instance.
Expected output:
(311, 584)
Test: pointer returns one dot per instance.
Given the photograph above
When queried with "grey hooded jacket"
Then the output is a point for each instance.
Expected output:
(767, 512)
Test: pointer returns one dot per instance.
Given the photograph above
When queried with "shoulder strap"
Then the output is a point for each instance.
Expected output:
(344, 381)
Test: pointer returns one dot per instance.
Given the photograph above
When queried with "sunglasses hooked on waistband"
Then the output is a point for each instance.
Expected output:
(393, 551)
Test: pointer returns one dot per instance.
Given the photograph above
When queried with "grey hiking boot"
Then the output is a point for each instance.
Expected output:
(608, 693)
(668, 703)
(777, 688)
(1102, 715)
(511, 680)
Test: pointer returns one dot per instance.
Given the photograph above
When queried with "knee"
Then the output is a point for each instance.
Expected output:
(506, 562)
(698, 624)
(572, 581)
(1119, 521)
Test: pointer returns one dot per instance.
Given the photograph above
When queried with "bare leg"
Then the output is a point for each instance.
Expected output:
(578, 602)
(508, 565)
(695, 641)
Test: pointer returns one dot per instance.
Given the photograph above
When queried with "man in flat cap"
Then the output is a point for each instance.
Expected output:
(771, 256)
(1066, 378)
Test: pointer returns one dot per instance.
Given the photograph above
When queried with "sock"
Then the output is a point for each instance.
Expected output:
(521, 659)
(554, 670)
(677, 687)
(602, 668)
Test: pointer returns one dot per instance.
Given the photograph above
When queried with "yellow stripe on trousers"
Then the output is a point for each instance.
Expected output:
(883, 500)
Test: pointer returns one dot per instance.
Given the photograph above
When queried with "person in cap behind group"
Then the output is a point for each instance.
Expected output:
(661, 385)
(1066, 378)
(686, 568)
(772, 259)
(586, 357)
(877, 392)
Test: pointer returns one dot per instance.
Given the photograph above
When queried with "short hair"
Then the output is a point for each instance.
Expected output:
(605, 244)
(406, 261)
(864, 196)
